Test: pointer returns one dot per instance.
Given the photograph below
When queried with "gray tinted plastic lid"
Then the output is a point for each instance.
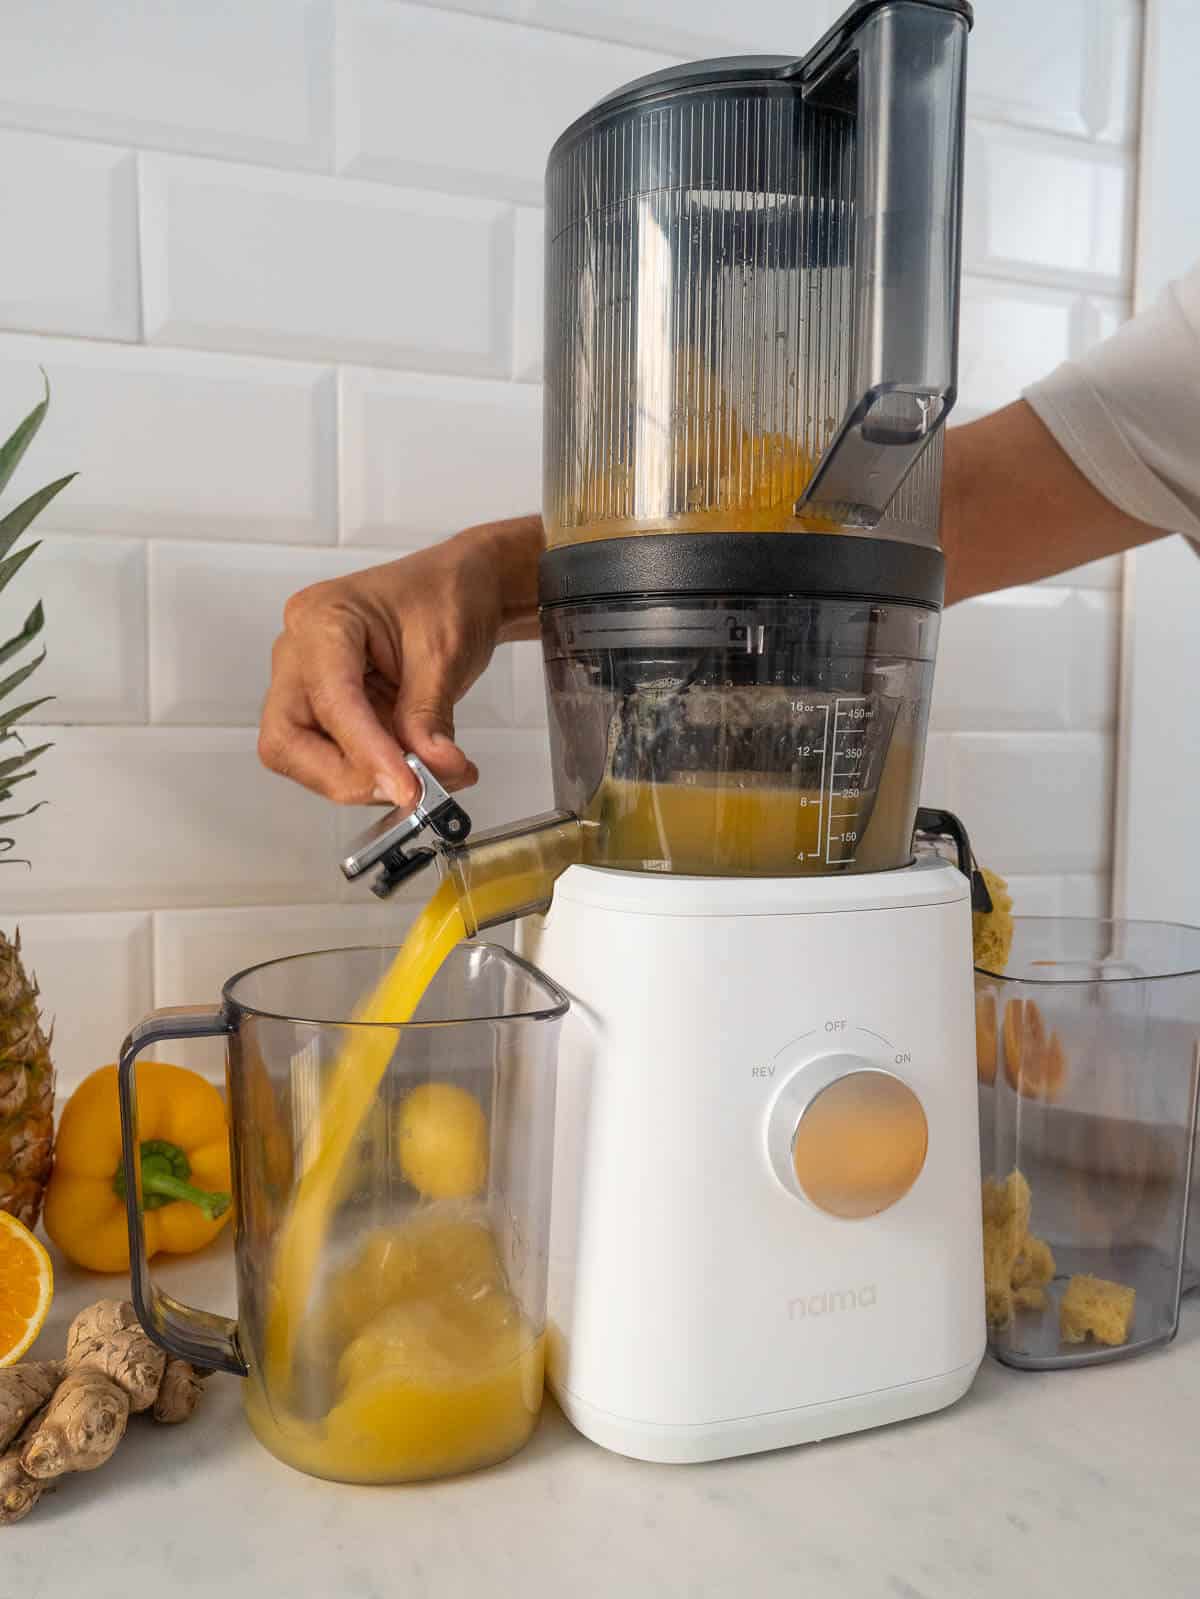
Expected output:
(695, 75)
(721, 70)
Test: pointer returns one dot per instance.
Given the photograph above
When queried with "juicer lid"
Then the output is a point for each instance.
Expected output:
(693, 565)
(720, 71)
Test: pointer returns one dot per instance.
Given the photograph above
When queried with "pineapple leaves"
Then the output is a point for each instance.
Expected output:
(34, 624)
(7, 784)
(19, 768)
(19, 816)
(19, 518)
(15, 762)
(18, 442)
(12, 564)
(9, 717)
(15, 679)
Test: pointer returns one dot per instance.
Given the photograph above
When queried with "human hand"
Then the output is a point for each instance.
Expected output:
(370, 666)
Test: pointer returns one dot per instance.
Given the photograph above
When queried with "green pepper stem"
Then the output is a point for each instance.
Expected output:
(165, 1173)
(165, 1186)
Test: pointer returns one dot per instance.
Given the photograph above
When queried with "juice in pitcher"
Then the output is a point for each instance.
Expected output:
(412, 1356)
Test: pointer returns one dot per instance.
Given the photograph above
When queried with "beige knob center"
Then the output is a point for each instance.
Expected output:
(860, 1144)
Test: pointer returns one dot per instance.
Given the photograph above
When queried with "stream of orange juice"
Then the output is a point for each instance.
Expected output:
(346, 1101)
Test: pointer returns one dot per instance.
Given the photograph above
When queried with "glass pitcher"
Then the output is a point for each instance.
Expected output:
(391, 1190)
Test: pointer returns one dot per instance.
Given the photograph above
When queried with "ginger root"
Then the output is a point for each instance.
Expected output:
(79, 1428)
(108, 1338)
(64, 1416)
(179, 1392)
(24, 1390)
(19, 1492)
(101, 1320)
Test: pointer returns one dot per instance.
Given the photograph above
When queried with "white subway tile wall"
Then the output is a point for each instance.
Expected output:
(96, 975)
(422, 456)
(1041, 658)
(252, 82)
(514, 90)
(178, 443)
(70, 235)
(1010, 334)
(704, 28)
(282, 264)
(1063, 68)
(1053, 211)
(214, 613)
(95, 665)
(1037, 802)
(238, 258)
(141, 817)
(528, 308)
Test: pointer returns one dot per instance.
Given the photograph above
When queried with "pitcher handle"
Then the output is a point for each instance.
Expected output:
(899, 68)
(199, 1336)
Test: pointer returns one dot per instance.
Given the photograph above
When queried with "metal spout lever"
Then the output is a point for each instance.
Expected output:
(386, 843)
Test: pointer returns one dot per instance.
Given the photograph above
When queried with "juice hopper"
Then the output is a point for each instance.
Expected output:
(766, 1205)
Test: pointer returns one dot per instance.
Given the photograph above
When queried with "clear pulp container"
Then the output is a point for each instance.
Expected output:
(392, 1193)
(1089, 1068)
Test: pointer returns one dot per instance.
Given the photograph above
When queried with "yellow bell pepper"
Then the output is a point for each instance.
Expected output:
(185, 1167)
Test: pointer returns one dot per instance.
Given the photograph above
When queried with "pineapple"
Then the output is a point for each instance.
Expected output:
(26, 1091)
(26, 1071)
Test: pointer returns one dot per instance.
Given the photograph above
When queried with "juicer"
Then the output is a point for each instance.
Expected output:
(766, 1215)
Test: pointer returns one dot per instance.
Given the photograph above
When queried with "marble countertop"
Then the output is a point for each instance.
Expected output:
(1063, 1484)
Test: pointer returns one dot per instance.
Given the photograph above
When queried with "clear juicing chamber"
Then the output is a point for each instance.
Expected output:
(752, 272)
(752, 732)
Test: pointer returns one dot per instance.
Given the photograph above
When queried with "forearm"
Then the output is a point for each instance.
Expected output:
(1015, 508)
(513, 549)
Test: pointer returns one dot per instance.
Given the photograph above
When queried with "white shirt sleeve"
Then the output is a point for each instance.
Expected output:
(1128, 412)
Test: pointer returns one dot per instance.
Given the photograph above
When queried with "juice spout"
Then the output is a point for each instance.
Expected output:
(500, 875)
(511, 871)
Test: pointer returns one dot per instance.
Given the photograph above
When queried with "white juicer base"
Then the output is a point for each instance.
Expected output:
(699, 1305)
(750, 1435)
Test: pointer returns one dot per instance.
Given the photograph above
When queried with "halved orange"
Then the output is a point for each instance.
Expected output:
(26, 1288)
(1034, 1063)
